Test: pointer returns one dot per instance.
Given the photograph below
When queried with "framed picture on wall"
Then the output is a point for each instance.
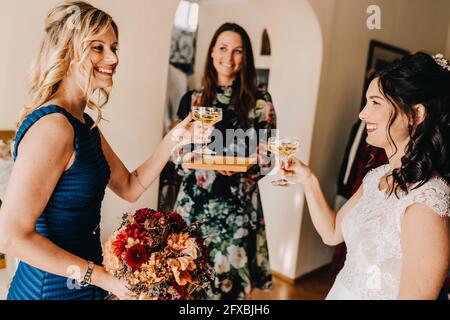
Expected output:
(380, 54)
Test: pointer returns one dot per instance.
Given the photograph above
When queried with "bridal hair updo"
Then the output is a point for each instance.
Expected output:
(70, 28)
(420, 79)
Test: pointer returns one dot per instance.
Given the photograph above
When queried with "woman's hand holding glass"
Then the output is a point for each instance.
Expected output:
(295, 170)
(284, 149)
(188, 131)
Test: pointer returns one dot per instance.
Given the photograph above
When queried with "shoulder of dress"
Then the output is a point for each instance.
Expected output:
(435, 193)
(53, 131)
(434, 185)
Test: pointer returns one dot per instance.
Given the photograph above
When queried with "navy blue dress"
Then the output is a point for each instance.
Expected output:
(71, 216)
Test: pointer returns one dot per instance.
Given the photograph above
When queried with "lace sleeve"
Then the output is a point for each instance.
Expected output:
(434, 194)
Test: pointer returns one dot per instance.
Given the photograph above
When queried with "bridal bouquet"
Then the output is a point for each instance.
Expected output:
(159, 255)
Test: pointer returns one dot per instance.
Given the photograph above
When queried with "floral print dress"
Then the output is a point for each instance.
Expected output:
(230, 206)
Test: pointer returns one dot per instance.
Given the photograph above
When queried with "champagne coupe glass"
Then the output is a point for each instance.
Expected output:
(207, 116)
(283, 150)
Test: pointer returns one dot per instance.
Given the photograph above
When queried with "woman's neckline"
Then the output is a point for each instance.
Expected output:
(386, 169)
(65, 110)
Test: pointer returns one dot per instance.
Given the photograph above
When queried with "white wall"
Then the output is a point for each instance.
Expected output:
(137, 102)
(294, 74)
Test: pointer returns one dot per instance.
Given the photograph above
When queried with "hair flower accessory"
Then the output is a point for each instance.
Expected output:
(440, 60)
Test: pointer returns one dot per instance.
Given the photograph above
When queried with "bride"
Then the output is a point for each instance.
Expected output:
(51, 211)
(396, 225)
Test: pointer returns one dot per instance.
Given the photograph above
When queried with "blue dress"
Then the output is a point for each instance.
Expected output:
(71, 216)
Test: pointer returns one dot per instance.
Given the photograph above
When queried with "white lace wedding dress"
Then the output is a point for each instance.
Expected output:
(371, 231)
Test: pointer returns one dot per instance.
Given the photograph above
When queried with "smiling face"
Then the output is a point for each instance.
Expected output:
(377, 115)
(227, 55)
(104, 58)
(103, 55)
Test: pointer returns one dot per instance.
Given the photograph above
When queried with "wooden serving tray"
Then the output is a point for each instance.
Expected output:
(218, 163)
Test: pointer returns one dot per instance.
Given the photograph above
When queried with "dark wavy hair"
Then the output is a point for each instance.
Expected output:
(245, 85)
(418, 79)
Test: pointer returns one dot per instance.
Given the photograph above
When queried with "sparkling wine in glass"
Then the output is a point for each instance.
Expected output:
(283, 150)
(207, 116)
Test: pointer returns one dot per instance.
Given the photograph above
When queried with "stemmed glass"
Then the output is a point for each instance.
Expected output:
(207, 116)
(283, 150)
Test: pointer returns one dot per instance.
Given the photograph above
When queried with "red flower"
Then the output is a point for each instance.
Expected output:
(181, 291)
(176, 219)
(203, 248)
(136, 256)
(120, 243)
(137, 232)
(133, 231)
(158, 215)
(143, 215)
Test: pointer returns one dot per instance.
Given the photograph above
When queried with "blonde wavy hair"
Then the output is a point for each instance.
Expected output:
(70, 29)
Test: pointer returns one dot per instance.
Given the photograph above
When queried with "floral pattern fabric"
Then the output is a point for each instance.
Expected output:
(229, 206)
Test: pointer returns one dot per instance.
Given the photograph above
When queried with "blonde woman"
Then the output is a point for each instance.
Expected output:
(51, 211)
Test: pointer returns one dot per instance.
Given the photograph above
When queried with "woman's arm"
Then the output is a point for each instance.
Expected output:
(184, 108)
(43, 154)
(425, 252)
(326, 221)
(130, 186)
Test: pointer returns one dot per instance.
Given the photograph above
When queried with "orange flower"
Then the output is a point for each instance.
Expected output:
(184, 243)
(180, 268)
(110, 260)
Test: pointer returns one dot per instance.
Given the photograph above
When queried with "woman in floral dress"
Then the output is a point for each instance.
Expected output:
(227, 203)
